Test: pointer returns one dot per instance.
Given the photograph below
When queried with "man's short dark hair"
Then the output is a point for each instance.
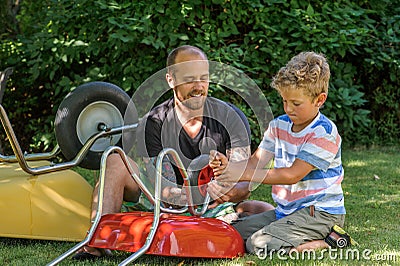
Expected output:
(173, 54)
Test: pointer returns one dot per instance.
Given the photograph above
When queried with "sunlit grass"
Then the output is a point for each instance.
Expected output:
(372, 200)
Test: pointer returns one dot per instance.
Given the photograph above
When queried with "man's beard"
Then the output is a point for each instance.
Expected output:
(195, 103)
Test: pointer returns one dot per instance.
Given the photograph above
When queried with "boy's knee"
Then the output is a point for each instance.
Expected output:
(264, 243)
(257, 242)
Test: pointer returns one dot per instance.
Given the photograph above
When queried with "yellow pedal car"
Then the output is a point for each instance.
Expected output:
(40, 199)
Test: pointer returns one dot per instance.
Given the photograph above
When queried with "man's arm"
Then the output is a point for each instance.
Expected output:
(167, 169)
(170, 193)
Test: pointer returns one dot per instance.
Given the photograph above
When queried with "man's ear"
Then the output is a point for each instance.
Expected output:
(321, 98)
(170, 80)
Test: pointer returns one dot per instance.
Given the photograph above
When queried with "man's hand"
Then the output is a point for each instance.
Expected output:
(227, 192)
(174, 197)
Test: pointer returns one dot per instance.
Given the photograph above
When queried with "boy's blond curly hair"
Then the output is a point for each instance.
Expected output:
(308, 71)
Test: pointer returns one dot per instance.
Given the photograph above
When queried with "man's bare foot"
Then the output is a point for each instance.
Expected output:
(90, 253)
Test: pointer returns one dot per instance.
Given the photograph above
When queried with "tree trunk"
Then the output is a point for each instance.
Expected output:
(3, 81)
(8, 21)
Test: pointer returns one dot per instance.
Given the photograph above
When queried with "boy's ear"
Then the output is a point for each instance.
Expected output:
(321, 98)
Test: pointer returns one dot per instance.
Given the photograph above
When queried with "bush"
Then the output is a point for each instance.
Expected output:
(124, 42)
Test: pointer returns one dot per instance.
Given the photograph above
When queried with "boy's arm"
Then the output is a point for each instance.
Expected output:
(259, 159)
(276, 176)
(284, 176)
(253, 170)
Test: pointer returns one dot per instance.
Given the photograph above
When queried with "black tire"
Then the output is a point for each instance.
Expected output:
(79, 115)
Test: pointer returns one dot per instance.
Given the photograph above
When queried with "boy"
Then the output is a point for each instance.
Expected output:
(307, 174)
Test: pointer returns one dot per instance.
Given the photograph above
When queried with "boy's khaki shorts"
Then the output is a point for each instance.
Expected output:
(263, 233)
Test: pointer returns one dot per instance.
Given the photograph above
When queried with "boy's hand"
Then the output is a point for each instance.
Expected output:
(218, 162)
(224, 172)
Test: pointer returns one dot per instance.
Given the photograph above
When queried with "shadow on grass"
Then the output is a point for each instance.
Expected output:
(372, 196)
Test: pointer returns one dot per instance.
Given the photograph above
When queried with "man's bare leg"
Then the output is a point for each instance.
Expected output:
(118, 186)
(250, 207)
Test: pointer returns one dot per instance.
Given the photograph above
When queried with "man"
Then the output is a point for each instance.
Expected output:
(192, 124)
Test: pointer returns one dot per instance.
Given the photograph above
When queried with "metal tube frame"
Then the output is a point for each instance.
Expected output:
(22, 158)
(99, 211)
(157, 203)
(156, 200)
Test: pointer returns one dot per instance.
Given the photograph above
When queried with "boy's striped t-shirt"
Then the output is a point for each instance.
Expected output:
(319, 144)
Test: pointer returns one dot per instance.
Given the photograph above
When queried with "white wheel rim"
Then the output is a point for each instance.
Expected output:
(100, 112)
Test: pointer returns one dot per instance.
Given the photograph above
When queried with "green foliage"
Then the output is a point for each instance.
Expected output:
(380, 70)
(63, 44)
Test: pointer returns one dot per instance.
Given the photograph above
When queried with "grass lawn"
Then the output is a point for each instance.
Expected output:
(372, 200)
